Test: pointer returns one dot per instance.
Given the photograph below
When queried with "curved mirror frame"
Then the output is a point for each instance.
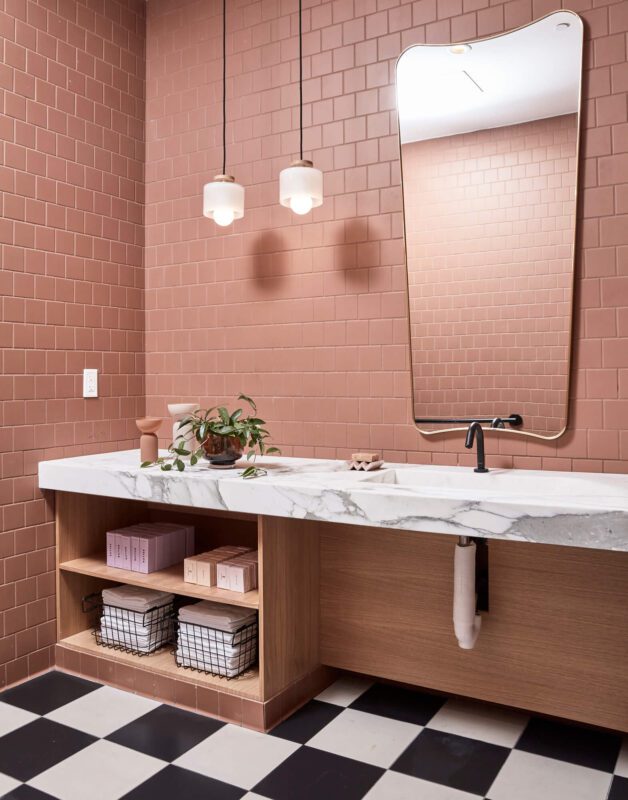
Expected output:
(489, 135)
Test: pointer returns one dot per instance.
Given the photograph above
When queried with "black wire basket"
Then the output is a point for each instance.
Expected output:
(216, 652)
(139, 633)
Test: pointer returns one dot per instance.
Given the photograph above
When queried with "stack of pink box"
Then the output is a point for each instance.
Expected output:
(239, 574)
(149, 546)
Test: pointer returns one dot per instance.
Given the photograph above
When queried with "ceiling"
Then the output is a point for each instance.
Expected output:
(527, 74)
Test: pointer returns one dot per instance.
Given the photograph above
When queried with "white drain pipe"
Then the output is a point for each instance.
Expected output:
(467, 622)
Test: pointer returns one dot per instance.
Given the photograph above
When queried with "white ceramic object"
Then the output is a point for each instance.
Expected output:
(178, 411)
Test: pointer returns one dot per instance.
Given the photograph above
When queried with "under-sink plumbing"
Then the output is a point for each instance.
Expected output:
(467, 622)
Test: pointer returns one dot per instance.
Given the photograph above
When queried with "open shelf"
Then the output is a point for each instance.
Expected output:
(167, 580)
(162, 662)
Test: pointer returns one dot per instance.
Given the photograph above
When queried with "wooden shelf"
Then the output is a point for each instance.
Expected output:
(167, 580)
(162, 662)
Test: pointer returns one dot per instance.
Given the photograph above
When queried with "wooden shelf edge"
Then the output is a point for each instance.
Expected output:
(168, 580)
(162, 663)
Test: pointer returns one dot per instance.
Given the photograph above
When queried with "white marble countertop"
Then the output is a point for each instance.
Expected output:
(567, 508)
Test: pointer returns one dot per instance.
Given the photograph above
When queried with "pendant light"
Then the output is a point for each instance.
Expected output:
(223, 198)
(300, 184)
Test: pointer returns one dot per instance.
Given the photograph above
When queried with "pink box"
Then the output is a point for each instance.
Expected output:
(147, 552)
(126, 550)
(118, 559)
(111, 548)
(135, 553)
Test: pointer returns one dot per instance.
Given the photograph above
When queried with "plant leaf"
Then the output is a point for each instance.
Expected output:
(273, 450)
(145, 464)
(248, 400)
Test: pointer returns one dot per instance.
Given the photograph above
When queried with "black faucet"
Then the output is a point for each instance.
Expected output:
(475, 432)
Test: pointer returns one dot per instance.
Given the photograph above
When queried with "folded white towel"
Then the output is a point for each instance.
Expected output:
(186, 659)
(135, 598)
(199, 633)
(143, 644)
(214, 648)
(217, 615)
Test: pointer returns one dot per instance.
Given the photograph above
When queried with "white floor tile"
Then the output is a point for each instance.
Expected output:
(525, 776)
(395, 786)
(253, 796)
(500, 726)
(7, 784)
(622, 761)
(237, 756)
(102, 771)
(102, 711)
(12, 718)
(366, 737)
(345, 690)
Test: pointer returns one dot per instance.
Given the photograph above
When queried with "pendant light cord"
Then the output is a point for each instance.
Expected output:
(224, 87)
(301, 78)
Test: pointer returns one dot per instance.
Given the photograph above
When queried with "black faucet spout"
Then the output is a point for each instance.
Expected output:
(475, 433)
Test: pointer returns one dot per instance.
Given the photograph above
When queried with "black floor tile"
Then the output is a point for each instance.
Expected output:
(37, 746)
(49, 691)
(174, 783)
(310, 774)
(307, 721)
(166, 732)
(401, 704)
(454, 761)
(619, 789)
(584, 746)
(24, 792)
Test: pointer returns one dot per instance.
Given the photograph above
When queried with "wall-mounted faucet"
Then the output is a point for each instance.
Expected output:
(474, 433)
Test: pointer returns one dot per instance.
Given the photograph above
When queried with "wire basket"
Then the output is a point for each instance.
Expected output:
(216, 652)
(139, 633)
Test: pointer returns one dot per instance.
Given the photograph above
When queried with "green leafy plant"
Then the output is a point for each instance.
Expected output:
(247, 430)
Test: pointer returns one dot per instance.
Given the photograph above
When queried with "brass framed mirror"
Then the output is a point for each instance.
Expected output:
(489, 139)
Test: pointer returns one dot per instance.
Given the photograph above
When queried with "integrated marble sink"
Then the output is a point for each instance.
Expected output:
(575, 509)
(573, 488)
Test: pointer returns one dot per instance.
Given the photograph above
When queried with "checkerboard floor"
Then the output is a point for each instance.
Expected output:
(67, 738)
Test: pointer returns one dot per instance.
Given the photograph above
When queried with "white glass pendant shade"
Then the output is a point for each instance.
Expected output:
(223, 200)
(301, 187)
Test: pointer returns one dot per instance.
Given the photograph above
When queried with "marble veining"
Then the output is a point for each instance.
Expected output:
(575, 509)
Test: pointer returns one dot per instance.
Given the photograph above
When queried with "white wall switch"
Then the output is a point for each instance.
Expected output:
(90, 383)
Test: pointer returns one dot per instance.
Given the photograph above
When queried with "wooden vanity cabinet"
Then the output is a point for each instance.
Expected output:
(369, 600)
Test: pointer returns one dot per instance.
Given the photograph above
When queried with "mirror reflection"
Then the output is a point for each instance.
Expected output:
(489, 151)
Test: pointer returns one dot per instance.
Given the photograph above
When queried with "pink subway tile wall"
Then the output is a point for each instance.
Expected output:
(490, 236)
(71, 237)
(309, 315)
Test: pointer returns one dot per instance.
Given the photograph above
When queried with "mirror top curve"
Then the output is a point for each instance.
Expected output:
(539, 77)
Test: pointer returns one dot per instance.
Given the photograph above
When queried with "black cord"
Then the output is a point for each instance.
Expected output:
(301, 78)
(224, 87)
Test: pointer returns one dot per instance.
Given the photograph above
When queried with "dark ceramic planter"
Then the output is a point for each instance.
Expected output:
(222, 451)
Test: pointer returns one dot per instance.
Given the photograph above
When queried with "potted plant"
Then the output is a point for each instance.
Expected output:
(221, 437)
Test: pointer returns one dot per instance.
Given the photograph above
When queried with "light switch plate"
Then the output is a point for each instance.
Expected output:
(90, 383)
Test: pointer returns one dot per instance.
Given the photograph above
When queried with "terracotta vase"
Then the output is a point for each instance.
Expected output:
(222, 451)
(149, 444)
